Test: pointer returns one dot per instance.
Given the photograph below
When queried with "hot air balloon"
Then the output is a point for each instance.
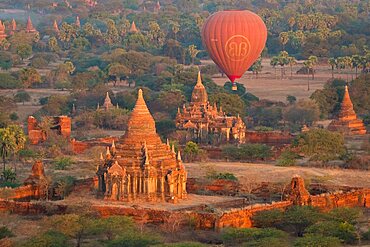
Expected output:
(234, 40)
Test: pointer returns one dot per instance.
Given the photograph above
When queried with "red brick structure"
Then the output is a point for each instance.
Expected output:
(140, 166)
(201, 120)
(347, 121)
(133, 28)
(2, 31)
(60, 124)
(29, 27)
(269, 137)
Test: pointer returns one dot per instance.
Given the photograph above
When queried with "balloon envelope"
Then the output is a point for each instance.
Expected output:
(234, 40)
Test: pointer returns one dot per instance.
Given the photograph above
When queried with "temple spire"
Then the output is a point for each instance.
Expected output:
(55, 26)
(199, 94)
(199, 80)
(78, 23)
(29, 27)
(133, 28)
(178, 156)
(107, 102)
(113, 147)
(2, 31)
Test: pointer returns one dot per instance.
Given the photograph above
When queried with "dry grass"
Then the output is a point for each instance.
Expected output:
(276, 174)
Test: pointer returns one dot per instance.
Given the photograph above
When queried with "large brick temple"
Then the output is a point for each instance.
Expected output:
(206, 122)
(347, 121)
(139, 165)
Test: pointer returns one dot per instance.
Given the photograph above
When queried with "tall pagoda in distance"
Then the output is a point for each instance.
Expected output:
(347, 121)
(29, 27)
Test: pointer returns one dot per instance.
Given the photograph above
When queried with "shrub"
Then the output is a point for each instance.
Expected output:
(287, 158)
(191, 151)
(7, 81)
(263, 128)
(62, 163)
(320, 144)
(366, 235)
(63, 186)
(342, 230)
(236, 236)
(247, 152)
(270, 218)
(317, 240)
(296, 219)
(49, 238)
(224, 176)
(22, 96)
(5, 232)
(343, 214)
(183, 244)
(134, 240)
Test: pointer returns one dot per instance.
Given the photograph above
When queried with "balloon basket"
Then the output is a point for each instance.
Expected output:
(234, 87)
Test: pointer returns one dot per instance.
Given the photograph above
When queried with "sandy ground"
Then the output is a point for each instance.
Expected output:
(256, 173)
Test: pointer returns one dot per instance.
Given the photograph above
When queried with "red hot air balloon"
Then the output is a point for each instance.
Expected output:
(234, 40)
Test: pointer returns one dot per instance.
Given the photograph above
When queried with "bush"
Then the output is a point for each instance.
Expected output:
(269, 218)
(134, 240)
(5, 232)
(342, 214)
(287, 158)
(47, 239)
(62, 163)
(366, 235)
(224, 176)
(183, 244)
(297, 218)
(237, 236)
(320, 144)
(317, 240)
(263, 128)
(191, 151)
(7, 81)
(63, 186)
(22, 96)
(341, 230)
(247, 152)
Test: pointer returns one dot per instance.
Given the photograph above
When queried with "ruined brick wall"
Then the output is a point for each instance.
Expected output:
(355, 198)
(268, 137)
(23, 193)
(81, 146)
(243, 217)
(62, 124)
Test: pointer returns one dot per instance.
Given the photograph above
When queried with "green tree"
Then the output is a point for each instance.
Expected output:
(53, 44)
(191, 151)
(47, 239)
(231, 104)
(71, 225)
(29, 76)
(320, 144)
(22, 96)
(112, 35)
(12, 139)
(24, 51)
(6, 60)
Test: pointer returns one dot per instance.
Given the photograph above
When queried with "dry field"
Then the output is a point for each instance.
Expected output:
(257, 173)
(269, 86)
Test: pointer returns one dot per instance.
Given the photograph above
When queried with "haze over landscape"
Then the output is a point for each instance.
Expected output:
(184, 123)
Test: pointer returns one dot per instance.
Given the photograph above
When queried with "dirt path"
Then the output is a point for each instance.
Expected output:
(271, 173)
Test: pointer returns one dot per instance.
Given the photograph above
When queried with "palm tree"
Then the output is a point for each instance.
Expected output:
(284, 38)
(193, 52)
(283, 60)
(313, 61)
(332, 62)
(291, 61)
(308, 65)
(274, 62)
(347, 62)
(7, 143)
(356, 62)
